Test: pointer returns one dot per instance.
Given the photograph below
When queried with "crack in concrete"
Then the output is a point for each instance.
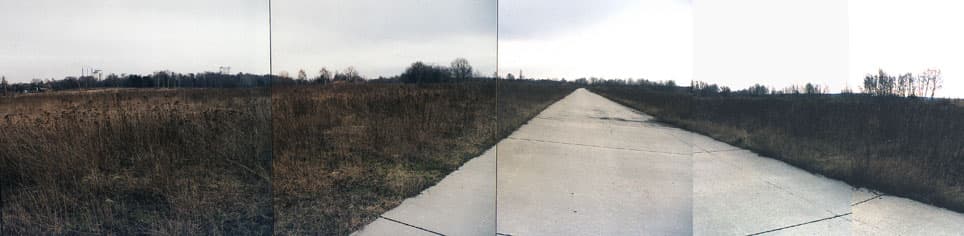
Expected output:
(550, 118)
(597, 146)
(876, 196)
(716, 151)
(411, 225)
(800, 224)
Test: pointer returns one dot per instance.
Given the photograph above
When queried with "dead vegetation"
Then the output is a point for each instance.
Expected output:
(345, 153)
(303, 159)
(911, 147)
(132, 161)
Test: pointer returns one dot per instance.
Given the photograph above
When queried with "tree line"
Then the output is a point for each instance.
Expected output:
(160, 79)
(417, 73)
(879, 84)
(458, 70)
(905, 85)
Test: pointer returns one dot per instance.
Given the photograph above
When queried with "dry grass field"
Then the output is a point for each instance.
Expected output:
(136, 161)
(902, 146)
(303, 159)
(345, 153)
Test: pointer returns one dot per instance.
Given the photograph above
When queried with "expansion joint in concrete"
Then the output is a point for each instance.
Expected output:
(801, 224)
(595, 146)
(876, 196)
(411, 225)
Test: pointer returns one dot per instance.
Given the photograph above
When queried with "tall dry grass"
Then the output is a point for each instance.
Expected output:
(127, 162)
(902, 146)
(345, 153)
(330, 158)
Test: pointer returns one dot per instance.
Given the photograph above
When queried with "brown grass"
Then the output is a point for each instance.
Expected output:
(345, 153)
(199, 161)
(136, 162)
(902, 146)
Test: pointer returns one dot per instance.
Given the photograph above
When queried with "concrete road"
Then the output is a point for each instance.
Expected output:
(589, 166)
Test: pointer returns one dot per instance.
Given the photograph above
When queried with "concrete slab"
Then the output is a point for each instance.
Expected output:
(463, 203)
(891, 215)
(594, 168)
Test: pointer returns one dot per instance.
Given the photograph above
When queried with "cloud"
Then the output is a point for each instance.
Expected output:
(381, 38)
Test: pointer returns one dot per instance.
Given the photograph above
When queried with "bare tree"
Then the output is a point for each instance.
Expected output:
(934, 81)
(324, 76)
(904, 84)
(302, 76)
(351, 74)
(3, 85)
(461, 68)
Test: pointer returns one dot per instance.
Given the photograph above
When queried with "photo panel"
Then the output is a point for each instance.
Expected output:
(383, 117)
(909, 64)
(131, 118)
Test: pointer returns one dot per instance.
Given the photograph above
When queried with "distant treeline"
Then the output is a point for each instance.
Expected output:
(700, 88)
(905, 85)
(162, 79)
(924, 84)
(417, 73)
(879, 84)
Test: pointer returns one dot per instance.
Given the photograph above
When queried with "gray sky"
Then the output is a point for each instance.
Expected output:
(927, 34)
(829, 42)
(650, 39)
(381, 38)
(776, 43)
(54, 39)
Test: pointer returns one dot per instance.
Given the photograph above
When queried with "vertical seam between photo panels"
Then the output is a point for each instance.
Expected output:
(270, 105)
(497, 130)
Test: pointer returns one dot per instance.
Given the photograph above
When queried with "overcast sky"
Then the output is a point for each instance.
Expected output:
(381, 38)
(779, 43)
(569, 39)
(735, 43)
(776, 43)
(901, 36)
(54, 39)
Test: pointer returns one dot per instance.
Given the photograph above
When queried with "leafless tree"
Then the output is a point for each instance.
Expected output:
(461, 69)
(351, 73)
(324, 75)
(934, 81)
(3, 85)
